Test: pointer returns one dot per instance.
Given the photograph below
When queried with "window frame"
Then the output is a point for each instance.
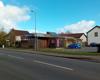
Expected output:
(95, 34)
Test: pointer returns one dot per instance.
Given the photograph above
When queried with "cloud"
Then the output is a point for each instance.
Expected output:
(10, 15)
(79, 27)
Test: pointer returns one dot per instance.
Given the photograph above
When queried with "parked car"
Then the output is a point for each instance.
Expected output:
(75, 46)
(93, 45)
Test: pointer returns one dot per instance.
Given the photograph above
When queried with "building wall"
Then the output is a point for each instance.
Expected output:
(92, 38)
(42, 43)
(27, 44)
(83, 38)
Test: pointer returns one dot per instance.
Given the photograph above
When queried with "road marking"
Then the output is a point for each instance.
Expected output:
(15, 57)
(53, 65)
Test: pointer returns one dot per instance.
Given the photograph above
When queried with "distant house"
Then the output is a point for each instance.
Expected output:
(74, 38)
(20, 38)
(15, 35)
(93, 35)
(53, 39)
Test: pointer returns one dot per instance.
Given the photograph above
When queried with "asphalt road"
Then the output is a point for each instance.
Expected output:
(24, 66)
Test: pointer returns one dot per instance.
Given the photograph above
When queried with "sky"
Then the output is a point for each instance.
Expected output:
(76, 16)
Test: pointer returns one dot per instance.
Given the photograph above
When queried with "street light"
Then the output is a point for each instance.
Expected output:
(35, 29)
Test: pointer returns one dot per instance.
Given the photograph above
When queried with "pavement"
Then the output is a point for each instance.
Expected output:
(20, 65)
(80, 57)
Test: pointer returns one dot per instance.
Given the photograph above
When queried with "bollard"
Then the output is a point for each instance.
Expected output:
(3, 46)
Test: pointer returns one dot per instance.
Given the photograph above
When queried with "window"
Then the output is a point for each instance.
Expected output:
(96, 34)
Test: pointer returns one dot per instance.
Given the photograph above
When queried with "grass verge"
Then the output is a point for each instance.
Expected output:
(63, 51)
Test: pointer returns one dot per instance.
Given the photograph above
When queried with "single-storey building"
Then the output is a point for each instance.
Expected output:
(74, 38)
(20, 38)
(15, 35)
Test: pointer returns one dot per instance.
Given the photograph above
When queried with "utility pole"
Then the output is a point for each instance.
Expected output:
(35, 36)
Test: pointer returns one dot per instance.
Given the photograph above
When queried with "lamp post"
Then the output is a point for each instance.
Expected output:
(35, 29)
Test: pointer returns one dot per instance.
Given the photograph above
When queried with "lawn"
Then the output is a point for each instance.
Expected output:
(63, 51)
(57, 51)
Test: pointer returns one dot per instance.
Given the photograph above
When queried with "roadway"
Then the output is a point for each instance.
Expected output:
(24, 66)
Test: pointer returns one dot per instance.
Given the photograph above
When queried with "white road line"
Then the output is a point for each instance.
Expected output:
(15, 57)
(66, 68)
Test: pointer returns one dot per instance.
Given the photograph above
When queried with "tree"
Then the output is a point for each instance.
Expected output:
(2, 37)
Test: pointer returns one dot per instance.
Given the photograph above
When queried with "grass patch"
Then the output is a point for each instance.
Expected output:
(64, 51)
(59, 51)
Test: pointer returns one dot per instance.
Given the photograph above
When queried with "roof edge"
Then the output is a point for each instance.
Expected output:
(93, 28)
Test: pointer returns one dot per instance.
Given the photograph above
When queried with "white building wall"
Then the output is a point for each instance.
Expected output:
(92, 38)
(83, 38)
